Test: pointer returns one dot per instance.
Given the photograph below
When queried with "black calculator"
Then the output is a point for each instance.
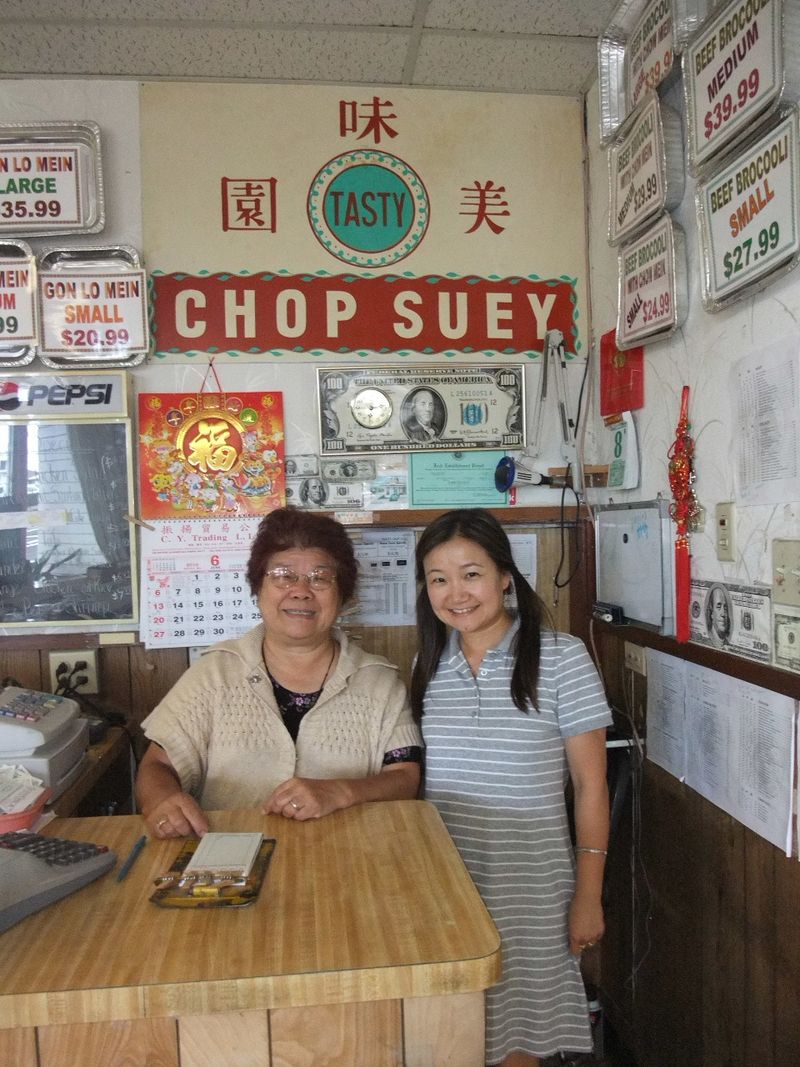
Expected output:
(36, 871)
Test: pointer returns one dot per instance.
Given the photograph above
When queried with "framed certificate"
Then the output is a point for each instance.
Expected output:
(420, 409)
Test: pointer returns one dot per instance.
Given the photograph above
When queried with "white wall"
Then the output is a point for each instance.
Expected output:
(700, 355)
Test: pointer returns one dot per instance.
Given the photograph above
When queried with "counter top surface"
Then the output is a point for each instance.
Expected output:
(370, 903)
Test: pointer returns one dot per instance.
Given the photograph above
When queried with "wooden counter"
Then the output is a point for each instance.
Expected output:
(368, 945)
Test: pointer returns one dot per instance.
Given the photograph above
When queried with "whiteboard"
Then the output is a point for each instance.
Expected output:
(633, 552)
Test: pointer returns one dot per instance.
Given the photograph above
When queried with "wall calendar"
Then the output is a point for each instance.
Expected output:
(194, 588)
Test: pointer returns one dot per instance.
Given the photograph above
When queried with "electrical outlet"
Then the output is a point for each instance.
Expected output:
(723, 529)
(74, 670)
(635, 658)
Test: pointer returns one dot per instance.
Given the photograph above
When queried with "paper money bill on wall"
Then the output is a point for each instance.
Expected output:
(732, 617)
(318, 493)
(418, 409)
(787, 637)
(301, 466)
(349, 470)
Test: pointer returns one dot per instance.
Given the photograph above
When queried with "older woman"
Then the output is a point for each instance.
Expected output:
(291, 716)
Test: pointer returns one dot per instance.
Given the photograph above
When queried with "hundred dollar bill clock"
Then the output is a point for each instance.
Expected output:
(371, 408)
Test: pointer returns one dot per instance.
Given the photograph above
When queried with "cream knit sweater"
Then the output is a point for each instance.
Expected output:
(224, 735)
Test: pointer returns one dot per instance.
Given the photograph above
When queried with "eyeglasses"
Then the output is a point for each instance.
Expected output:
(318, 579)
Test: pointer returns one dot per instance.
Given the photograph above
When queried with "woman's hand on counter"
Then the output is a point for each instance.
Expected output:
(178, 816)
(308, 798)
(166, 808)
(311, 798)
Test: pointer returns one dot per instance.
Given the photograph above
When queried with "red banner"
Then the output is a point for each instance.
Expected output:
(621, 377)
(347, 313)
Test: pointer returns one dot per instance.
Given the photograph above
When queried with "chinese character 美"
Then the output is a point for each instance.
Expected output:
(376, 123)
(485, 203)
(210, 449)
(248, 204)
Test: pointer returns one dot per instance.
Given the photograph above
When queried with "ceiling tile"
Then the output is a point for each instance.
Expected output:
(190, 52)
(253, 12)
(582, 18)
(533, 65)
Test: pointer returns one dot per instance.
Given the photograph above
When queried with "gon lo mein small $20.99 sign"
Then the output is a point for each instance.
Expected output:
(210, 454)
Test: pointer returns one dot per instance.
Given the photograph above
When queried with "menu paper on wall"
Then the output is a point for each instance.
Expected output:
(766, 400)
(653, 300)
(666, 728)
(731, 741)
(740, 745)
(386, 592)
(748, 211)
(645, 169)
(738, 66)
(50, 178)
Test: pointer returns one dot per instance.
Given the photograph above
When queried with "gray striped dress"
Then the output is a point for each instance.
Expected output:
(497, 775)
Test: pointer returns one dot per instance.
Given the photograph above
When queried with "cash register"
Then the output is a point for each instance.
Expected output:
(44, 733)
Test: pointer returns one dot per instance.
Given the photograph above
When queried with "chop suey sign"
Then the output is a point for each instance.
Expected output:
(345, 313)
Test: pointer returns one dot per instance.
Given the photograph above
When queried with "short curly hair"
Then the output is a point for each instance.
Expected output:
(289, 527)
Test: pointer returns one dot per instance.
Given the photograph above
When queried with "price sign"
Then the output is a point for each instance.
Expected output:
(650, 50)
(93, 315)
(17, 301)
(638, 169)
(652, 298)
(50, 178)
(748, 214)
(733, 72)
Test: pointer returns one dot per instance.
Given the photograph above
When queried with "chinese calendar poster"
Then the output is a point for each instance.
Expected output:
(210, 454)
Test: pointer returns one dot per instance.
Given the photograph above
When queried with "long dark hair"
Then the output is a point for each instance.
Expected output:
(483, 529)
(289, 527)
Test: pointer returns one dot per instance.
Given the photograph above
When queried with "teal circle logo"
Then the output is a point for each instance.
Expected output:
(368, 208)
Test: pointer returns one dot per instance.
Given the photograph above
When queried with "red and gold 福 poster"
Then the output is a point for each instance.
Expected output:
(210, 455)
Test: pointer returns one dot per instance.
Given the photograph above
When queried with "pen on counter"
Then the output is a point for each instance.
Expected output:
(131, 859)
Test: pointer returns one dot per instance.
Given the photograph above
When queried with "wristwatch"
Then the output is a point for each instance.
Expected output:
(371, 408)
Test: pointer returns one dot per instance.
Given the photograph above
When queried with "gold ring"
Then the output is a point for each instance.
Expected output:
(295, 806)
(160, 823)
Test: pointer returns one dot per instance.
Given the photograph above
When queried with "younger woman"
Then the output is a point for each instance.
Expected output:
(507, 711)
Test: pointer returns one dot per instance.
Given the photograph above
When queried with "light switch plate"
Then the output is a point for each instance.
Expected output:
(723, 531)
(786, 572)
(635, 658)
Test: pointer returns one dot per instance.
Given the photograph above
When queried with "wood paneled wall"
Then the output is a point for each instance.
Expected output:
(701, 962)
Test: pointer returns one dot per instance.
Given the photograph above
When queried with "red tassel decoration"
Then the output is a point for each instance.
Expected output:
(683, 511)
